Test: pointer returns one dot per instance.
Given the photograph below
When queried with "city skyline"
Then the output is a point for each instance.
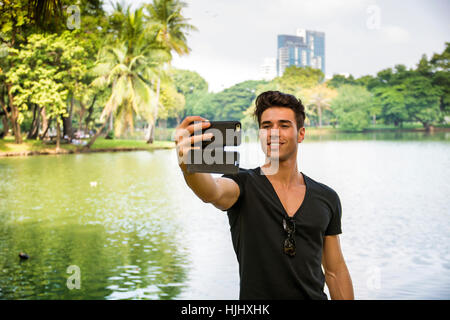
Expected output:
(304, 49)
(362, 36)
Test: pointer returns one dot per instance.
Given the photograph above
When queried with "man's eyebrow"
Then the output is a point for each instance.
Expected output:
(279, 121)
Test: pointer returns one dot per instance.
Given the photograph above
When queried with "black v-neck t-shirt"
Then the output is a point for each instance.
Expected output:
(256, 224)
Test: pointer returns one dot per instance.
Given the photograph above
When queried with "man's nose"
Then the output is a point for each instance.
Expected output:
(274, 134)
(275, 131)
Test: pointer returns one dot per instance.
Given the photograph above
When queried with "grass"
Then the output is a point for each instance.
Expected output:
(7, 145)
(102, 143)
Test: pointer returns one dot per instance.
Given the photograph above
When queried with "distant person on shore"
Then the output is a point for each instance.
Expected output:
(284, 225)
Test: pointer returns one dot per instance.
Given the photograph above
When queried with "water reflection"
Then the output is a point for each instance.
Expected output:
(113, 232)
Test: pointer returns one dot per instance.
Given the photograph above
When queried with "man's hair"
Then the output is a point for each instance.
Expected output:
(271, 99)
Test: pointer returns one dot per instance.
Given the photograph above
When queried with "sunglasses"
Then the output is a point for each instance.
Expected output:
(289, 243)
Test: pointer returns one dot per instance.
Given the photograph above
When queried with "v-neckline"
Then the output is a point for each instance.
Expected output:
(278, 198)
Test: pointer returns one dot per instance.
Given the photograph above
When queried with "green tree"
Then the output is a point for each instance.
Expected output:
(230, 103)
(44, 71)
(131, 92)
(200, 103)
(352, 107)
(172, 103)
(187, 81)
(440, 66)
(15, 21)
(338, 80)
(19, 19)
(391, 101)
(410, 95)
(192, 86)
(131, 64)
(422, 101)
(171, 29)
(294, 79)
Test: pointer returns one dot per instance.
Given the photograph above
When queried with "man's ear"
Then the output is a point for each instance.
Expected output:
(301, 135)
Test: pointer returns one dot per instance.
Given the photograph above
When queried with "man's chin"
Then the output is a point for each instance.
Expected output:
(273, 156)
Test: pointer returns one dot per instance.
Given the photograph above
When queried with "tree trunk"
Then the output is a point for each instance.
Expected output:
(44, 134)
(5, 119)
(97, 134)
(58, 135)
(34, 131)
(151, 135)
(45, 124)
(99, 131)
(82, 112)
(319, 111)
(67, 122)
(90, 112)
(14, 116)
(5, 126)
(111, 123)
(374, 119)
(427, 126)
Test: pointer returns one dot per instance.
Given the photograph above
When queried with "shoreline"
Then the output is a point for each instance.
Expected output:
(123, 146)
(317, 130)
(72, 151)
(104, 146)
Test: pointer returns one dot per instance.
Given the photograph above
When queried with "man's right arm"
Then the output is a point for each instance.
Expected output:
(221, 192)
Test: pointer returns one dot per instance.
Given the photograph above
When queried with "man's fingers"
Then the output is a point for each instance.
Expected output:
(194, 139)
(180, 134)
(183, 153)
(184, 133)
(185, 139)
(198, 126)
(190, 119)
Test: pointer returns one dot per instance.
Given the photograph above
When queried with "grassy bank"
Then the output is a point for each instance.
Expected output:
(407, 127)
(35, 147)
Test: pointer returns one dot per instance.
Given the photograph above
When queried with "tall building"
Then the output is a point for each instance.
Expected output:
(268, 70)
(306, 48)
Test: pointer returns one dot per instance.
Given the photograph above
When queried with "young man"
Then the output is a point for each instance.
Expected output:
(284, 225)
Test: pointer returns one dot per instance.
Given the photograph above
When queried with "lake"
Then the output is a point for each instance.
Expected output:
(134, 230)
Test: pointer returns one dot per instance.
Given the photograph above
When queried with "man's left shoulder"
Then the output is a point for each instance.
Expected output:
(323, 189)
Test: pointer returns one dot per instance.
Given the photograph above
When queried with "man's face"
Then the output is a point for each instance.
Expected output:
(278, 133)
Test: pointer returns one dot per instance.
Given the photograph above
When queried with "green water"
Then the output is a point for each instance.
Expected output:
(100, 212)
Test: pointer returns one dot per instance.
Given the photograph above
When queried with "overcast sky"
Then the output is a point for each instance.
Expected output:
(361, 36)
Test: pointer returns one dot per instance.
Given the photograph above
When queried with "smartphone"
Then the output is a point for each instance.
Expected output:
(212, 158)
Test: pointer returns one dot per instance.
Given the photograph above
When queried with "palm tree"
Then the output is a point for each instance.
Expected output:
(47, 15)
(170, 24)
(128, 65)
(131, 92)
(171, 29)
(318, 98)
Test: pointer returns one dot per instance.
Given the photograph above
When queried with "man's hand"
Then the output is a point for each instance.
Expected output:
(184, 141)
(221, 192)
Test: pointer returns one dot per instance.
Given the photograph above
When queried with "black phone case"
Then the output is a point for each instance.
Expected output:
(212, 158)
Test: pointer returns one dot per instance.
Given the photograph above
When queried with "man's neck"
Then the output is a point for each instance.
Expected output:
(287, 174)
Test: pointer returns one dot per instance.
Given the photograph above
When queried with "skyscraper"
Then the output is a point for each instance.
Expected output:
(306, 48)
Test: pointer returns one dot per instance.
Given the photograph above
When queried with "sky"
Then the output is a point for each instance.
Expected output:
(361, 36)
